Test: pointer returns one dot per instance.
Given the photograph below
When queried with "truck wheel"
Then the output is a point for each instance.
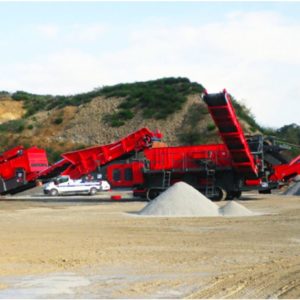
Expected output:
(93, 191)
(220, 194)
(54, 192)
(152, 193)
(238, 194)
(233, 195)
(230, 195)
(268, 191)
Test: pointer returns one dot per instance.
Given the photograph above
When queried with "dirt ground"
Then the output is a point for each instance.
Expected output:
(103, 250)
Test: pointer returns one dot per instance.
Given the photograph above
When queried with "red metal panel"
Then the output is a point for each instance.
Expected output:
(32, 161)
(137, 174)
(286, 171)
(37, 162)
(186, 157)
(87, 160)
(253, 182)
(9, 154)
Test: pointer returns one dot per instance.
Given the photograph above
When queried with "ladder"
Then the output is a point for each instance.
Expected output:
(166, 179)
(210, 182)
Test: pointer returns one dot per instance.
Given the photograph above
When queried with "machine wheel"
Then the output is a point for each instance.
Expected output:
(93, 191)
(54, 192)
(152, 193)
(220, 194)
(230, 195)
(268, 191)
(233, 195)
(238, 194)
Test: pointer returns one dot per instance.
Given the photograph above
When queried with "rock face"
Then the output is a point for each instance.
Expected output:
(89, 127)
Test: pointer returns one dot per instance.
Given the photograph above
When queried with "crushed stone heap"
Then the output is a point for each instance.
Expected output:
(234, 209)
(181, 199)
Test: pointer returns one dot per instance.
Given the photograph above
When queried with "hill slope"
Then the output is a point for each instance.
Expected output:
(63, 123)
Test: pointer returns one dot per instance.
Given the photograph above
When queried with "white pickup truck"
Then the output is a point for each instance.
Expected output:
(65, 185)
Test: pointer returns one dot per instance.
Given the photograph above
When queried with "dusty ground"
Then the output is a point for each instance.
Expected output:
(98, 250)
(10, 110)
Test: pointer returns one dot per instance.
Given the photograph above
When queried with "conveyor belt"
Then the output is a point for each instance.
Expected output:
(222, 112)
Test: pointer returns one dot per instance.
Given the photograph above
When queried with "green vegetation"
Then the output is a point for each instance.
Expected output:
(211, 127)
(289, 134)
(53, 155)
(58, 120)
(156, 98)
(245, 114)
(191, 133)
(4, 94)
(118, 119)
(15, 126)
(34, 103)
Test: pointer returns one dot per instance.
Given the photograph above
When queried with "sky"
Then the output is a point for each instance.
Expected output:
(250, 48)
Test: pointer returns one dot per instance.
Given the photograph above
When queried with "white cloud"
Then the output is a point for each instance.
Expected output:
(48, 30)
(256, 56)
(89, 33)
(75, 32)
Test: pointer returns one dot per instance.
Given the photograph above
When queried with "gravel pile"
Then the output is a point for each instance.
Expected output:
(181, 199)
(234, 209)
(293, 190)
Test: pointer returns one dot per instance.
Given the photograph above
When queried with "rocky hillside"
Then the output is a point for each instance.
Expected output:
(63, 123)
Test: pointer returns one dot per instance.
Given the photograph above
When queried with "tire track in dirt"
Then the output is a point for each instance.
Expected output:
(275, 279)
(291, 289)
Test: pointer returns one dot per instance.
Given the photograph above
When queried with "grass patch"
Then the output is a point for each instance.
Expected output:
(14, 126)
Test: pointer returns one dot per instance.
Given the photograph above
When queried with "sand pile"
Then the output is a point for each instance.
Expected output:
(234, 209)
(293, 190)
(181, 199)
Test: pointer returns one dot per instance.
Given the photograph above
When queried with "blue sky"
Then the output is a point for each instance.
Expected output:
(250, 48)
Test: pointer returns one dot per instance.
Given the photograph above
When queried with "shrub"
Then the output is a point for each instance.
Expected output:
(245, 114)
(53, 155)
(191, 138)
(211, 127)
(58, 120)
(157, 98)
(125, 114)
(15, 126)
(117, 123)
(4, 94)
